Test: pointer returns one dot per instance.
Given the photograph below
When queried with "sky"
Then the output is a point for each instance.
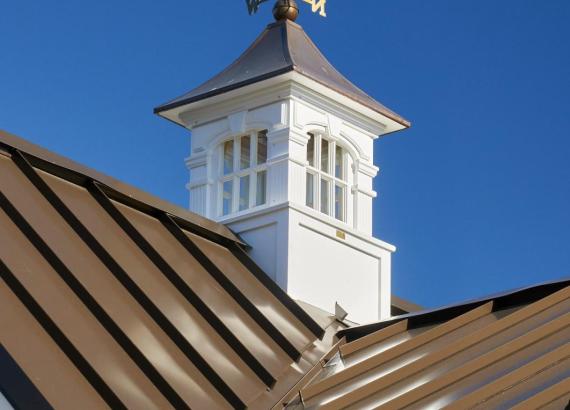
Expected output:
(476, 195)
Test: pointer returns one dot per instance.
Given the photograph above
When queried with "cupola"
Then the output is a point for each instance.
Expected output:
(282, 152)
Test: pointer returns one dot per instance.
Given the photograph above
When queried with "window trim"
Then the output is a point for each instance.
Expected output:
(237, 173)
(329, 175)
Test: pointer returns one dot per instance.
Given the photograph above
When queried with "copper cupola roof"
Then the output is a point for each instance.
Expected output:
(283, 47)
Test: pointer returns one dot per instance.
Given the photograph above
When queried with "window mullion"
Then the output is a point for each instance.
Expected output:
(252, 188)
(253, 149)
(237, 154)
(316, 191)
(220, 201)
(317, 163)
(235, 192)
(332, 158)
(237, 164)
(331, 197)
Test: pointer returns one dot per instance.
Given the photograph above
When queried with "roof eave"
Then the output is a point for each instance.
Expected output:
(219, 91)
(385, 123)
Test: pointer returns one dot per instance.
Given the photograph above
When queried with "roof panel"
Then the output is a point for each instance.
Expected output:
(74, 319)
(107, 292)
(501, 351)
(145, 315)
(283, 320)
(189, 321)
(40, 348)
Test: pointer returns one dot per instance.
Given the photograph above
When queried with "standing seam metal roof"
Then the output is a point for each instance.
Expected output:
(507, 351)
(131, 305)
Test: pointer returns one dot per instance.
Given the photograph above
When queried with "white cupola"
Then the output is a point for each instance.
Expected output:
(282, 152)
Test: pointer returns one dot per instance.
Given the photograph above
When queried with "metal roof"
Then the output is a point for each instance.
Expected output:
(111, 298)
(281, 48)
(507, 351)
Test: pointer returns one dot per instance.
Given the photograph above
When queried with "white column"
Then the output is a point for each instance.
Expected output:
(200, 184)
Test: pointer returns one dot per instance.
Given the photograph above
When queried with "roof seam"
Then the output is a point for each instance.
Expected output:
(396, 351)
(454, 348)
(276, 290)
(92, 305)
(115, 269)
(469, 368)
(63, 343)
(513, 379)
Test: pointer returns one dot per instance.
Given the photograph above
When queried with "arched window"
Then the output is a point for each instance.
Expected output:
(243, 173)
(327, 177)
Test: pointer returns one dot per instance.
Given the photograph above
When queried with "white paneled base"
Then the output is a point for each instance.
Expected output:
(319, 261)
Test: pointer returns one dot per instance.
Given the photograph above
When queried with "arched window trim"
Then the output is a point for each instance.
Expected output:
(233, 181)
(328, 186)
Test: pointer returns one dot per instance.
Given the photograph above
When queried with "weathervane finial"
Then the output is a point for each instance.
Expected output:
(286, 10)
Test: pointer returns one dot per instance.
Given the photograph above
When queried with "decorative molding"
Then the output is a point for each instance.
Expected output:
(303, 92)
(301, 138)
(334, 125)
(199, 183)
(360, 153)
(284, 158)
(340, 225)
(236, 122)
(248, 98)
(368, 169)
(367, 192)
(195, 161)
(341, 241)
(277, 136)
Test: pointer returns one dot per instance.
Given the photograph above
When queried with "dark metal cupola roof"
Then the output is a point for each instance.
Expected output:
(281, 48)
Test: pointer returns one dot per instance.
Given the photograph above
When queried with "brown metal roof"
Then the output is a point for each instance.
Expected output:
(110, 297)
(281, 48)
(508, 351)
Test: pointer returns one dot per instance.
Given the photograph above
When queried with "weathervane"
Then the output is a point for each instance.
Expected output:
(287, 9)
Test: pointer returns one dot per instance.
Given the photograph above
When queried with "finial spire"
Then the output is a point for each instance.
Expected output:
(286, 10)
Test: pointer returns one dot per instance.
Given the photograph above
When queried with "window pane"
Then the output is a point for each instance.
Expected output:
(325, 196)
(325, 156)
(227, 197)
(310, 195)
(245, 151)
(260, 196)
(244, 193)
(311, 150)
(228, 157)
(338, 164)
(339, 202)
(262, 147)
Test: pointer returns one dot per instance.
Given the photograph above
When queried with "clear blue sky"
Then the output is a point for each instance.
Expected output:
(476, 195)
